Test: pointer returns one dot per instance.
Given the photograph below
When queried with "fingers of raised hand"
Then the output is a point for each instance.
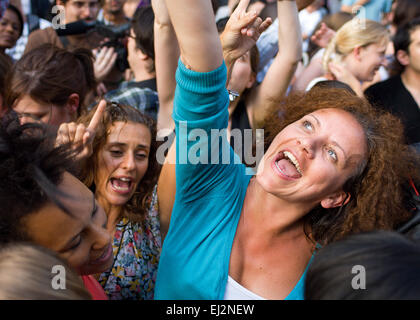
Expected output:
(242, 6)
(265, 25)
(96, 119)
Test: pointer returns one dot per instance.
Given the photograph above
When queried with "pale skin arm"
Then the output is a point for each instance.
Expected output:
(193, 21)
(281, 72)
(166, 62)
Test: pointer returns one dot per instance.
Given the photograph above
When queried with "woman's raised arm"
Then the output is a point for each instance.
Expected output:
(280, 73)
(193, 21)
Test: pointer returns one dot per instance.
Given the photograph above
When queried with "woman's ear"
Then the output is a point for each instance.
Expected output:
(357, 53)
(338, 199)
(73, 102)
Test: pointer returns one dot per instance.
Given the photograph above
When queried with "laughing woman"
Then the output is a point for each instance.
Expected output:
(332, 167)
(118, 164)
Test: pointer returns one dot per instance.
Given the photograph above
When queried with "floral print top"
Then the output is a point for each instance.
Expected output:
(136, 249)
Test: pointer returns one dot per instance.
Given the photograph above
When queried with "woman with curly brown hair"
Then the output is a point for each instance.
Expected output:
(332, 167)
(118, 164)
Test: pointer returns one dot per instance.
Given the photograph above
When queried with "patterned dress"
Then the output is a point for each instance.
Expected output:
(136, 249)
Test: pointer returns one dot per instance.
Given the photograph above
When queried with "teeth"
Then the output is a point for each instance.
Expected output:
(293, 160)
(125, 179)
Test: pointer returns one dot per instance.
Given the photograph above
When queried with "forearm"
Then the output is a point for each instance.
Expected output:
(193, 21)
(280, 73)
(290, 35)
(166, 62)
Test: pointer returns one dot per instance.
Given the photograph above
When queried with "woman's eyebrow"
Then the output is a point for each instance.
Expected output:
(335, 143)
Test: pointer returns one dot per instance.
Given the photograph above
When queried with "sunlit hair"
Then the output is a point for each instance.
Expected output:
(138, 205)
(376, 187)
(26, 274)
(355, 33)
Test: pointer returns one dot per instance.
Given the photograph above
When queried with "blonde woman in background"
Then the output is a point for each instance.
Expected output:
(26, 273)
(355, 54)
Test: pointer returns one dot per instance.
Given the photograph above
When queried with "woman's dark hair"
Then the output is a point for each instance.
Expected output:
(142, 25)
(19, 15)
(5, 67)
(31, 168)
(385, 264)
(138, 205)
(50, 75)
(402, 41)
(377, 186)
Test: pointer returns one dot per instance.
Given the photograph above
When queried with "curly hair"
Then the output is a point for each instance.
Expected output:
(30, 171)
(137, 206)
(377, 197)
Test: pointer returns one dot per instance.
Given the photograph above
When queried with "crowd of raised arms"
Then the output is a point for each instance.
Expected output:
(209, 149)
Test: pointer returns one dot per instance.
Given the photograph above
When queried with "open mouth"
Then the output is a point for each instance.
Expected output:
(287, 165)
(122, 185)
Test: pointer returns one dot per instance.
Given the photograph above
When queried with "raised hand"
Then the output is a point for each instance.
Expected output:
(341, 73)
(105, 58)
(323, 36)
(78, 136)
(242, 31)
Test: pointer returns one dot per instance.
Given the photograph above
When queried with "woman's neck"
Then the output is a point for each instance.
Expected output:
(274, 216)
(113, 212)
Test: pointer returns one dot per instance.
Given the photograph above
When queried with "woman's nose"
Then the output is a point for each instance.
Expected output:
(307, 146)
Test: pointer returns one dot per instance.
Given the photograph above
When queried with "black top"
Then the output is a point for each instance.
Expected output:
(240, 121)
(392, 96)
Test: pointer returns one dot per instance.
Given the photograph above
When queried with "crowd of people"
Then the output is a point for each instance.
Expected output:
(209, 149)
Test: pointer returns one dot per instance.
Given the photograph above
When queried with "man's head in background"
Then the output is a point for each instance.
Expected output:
(80, 9)
(114, 7)
(407, 46)
(141, 52)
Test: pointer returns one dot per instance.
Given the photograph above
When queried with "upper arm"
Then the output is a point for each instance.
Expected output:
(193, 21)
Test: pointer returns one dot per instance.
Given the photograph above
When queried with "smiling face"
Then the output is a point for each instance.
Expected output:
(122, 162)
(81, 238)
(370, 59)
(9, 29)
(311, 159)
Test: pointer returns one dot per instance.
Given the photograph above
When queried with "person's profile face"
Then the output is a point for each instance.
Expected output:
(80, 238)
